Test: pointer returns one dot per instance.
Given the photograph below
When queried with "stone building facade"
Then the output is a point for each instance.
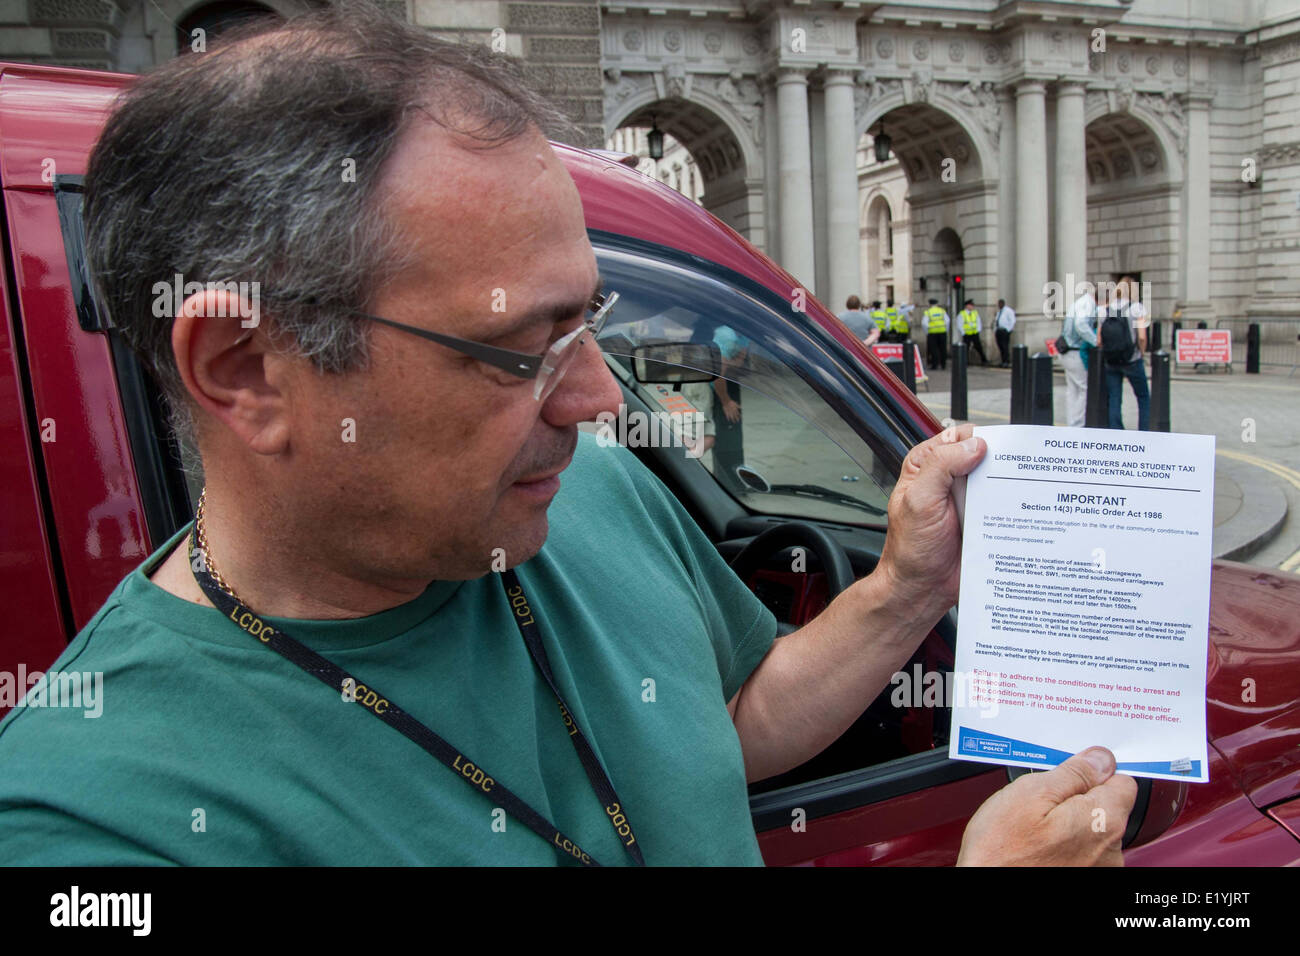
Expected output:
(1039, 141)
(1031, 140)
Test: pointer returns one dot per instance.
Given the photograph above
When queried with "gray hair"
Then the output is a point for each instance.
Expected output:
(229, 166)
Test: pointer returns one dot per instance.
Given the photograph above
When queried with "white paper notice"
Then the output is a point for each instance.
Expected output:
(1085, 597)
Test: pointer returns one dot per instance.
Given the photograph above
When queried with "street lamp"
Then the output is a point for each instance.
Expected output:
(882, 143)
(655, 140)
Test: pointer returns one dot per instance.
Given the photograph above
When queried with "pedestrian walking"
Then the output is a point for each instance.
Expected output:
(1079, 332)
(897, 327)
(879, 316)
(1002, 326)
(858, 321)
(1122, 340)
(936, 338)
(969, 320)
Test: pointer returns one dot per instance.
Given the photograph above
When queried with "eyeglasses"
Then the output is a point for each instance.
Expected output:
(546, 369)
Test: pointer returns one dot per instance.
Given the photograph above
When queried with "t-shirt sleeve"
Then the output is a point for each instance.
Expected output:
(740, 627)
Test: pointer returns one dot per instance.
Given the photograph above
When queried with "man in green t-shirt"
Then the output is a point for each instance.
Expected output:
(567, 669)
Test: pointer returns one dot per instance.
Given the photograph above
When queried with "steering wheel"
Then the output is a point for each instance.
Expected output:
(834, 559)
(911, 728)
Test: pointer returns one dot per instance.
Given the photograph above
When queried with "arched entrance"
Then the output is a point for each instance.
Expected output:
(723, 159)
(943, 267)
(1133, 214)
(676, 167)
(885, 264)
(950, 199)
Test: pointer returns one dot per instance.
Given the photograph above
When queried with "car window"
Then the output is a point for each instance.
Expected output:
(758, 428)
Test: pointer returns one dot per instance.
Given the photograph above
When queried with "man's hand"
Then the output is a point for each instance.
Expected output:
(1073, 815)
(922, 553)
(731, 408)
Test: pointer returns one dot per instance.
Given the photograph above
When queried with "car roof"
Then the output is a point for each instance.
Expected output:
(50, 118)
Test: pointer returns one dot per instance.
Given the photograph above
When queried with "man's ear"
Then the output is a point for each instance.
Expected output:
(231, 368)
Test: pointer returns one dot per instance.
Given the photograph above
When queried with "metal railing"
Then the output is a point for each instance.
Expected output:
(1279, 340)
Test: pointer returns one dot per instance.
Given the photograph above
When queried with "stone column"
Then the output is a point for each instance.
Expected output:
(1071, 209)
(841, 189)
(795, 176)
(1031, 198)
(771, 170)
(1196, 212)
(1006, 277)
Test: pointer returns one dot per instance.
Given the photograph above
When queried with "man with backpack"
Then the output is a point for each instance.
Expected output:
(1122, 340)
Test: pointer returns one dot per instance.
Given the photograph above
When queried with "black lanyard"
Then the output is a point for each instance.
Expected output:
(382, 707)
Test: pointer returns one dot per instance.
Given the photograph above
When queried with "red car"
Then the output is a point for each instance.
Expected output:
(91, 484)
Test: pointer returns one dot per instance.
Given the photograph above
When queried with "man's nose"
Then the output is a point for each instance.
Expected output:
(587, 389)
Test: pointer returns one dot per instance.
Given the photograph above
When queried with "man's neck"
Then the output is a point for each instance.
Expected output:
(272, 580)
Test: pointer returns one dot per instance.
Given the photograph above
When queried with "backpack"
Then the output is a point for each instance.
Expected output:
(1115, 340)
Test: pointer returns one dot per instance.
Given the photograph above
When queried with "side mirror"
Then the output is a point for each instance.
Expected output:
(673, 363)
(752, 479)
(1154, 811)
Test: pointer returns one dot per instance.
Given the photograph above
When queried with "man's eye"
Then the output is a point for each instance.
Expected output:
(502, 377)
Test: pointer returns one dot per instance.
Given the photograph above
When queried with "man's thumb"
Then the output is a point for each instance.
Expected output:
(1085, 770)
(946, 461)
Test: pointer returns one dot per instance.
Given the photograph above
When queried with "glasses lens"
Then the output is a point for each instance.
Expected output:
(562, 353)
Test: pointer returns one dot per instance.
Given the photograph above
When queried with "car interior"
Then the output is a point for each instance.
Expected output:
(796, 501)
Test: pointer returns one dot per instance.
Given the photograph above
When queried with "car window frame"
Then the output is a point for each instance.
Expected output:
(165, 495)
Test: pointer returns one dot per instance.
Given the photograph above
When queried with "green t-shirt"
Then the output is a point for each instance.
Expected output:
(212, 749)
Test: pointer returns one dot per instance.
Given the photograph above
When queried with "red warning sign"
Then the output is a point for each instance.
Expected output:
(893, 352)
(1203, 346)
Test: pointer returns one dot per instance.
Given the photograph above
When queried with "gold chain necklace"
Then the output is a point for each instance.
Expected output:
(206, 552)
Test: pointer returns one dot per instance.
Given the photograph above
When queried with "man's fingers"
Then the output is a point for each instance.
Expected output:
(954, 433)
(1102, 813)
(1117, 796)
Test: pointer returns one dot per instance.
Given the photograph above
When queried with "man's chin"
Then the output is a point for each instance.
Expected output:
(519, 542)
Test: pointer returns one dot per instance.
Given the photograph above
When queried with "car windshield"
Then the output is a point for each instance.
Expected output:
(761, 430)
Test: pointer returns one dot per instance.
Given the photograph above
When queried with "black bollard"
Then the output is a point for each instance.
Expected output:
(1154, 337)
(1160, 391)
(1019, 384)
(1252, 349)
(957, 408)
(1041, 378)
(909, 364)
(1097, 415)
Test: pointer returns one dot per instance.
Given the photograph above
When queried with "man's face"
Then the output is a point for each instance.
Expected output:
(452, 458)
